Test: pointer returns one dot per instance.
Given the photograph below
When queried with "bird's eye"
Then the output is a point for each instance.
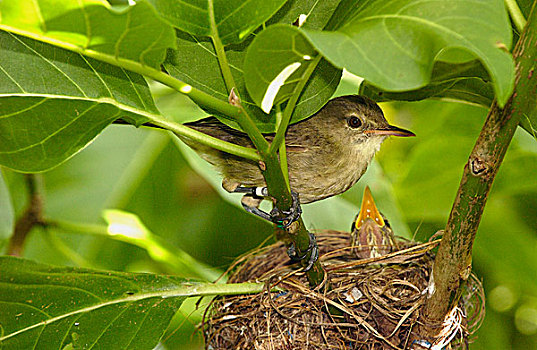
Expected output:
(354, 122)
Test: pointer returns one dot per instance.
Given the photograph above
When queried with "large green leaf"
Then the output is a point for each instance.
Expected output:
(136, 34)
(465, 82)
(54, 102)
(54, 307)
(232, 20)
(195, 63)
(393, 44)
(277, 49)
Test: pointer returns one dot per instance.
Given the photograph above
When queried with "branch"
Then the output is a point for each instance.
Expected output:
(453, 262)
(270, 165)
(516, 15)
(31, 217)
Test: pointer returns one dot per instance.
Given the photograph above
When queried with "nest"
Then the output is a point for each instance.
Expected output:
(369, 304)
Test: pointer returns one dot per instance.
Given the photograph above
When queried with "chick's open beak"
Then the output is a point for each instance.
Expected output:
(368, 210)
(391, 130)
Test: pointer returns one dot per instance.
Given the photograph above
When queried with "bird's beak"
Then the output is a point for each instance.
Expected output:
(390, 130)
(368, 210)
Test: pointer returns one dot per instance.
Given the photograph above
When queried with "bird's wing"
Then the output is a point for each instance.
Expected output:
(295, 148)
(213, 127)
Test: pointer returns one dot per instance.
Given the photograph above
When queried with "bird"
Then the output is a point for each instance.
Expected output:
(327, 153)
(371, 234)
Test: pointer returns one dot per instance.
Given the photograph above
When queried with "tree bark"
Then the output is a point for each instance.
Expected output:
(453, 262)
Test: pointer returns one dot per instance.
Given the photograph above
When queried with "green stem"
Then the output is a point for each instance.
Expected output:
(516, 15)
(196, 95)
(248, 125)
(282, 149)
(220, 51)
(182, 130)
(453, 262)
(288, 112)
(244, 120)
(273, 174)
(278, 182)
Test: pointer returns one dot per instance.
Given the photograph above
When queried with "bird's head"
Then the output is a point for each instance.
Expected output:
(371, 234)
(358, 119)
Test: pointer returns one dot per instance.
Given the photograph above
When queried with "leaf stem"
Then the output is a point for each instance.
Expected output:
(244, 120)
(291, 104)
(220, 51)
(516, 15)
(196, 95)
(282, 149)
(276, 180)
(185, 131)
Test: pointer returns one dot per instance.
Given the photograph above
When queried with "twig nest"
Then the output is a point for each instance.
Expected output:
(364, 304)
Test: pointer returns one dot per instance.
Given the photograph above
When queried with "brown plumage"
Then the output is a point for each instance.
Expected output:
(327, 153)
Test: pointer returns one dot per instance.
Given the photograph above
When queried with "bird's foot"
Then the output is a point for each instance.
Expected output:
(282, 218)
(312, 248)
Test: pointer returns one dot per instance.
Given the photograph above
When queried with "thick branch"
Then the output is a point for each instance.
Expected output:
(453, 262)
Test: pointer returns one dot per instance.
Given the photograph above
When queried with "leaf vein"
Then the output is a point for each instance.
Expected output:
(51, 64)
(5, 116)
(98, 75)
(12, 79)
(134, 88)
(109, 324)
(53, 134)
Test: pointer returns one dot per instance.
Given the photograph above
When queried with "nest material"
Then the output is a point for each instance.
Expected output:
(370, 303)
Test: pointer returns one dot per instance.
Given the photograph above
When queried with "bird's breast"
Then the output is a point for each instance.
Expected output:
(322, 173)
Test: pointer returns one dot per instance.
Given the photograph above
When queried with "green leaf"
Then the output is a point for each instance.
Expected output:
(529, 123)
(465, 82)
(54, 307)
(54, 102)
(234, 21)
(393, 45)
(311, 14)
(195, 63)
(136, 34)
(271, 53)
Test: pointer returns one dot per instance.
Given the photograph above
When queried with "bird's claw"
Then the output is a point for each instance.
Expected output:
(312, 248)
(282, 218)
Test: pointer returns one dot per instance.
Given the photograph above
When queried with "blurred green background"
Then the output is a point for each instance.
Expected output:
(177, 196)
